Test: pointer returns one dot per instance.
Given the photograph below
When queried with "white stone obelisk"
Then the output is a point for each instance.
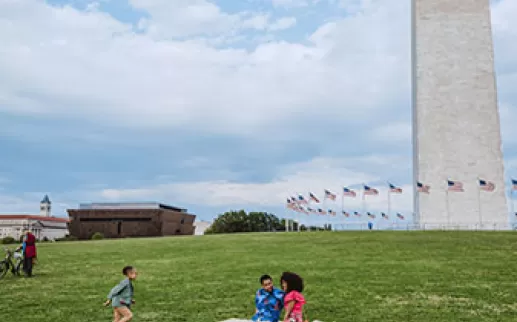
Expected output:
(456, 127)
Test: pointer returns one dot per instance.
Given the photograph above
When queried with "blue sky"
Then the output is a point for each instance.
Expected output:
(213, 105)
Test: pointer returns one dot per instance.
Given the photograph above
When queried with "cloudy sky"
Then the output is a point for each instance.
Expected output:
(213, 105)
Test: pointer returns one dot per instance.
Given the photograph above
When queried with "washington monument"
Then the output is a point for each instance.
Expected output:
(456, 127)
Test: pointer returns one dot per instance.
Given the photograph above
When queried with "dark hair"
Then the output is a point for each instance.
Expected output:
(127, 269)
(265, 277)
(294, 282)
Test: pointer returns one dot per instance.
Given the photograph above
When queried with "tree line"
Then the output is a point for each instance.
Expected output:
(241, 222)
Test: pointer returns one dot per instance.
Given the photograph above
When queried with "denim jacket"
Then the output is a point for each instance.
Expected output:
(122, 294)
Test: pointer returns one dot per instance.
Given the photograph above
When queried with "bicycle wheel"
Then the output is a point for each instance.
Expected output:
(18, 268)
(4, 267)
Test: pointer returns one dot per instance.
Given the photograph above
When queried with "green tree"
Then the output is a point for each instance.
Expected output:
(241, 222)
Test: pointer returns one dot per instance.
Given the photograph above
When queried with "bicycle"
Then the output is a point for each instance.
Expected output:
(12, 261)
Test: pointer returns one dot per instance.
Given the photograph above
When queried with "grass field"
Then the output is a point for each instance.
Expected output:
(356, 276)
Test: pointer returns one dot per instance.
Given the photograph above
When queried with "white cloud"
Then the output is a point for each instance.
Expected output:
(283, 23)
(393, 132)
(292, 3)
(314, 176)
(59, 61)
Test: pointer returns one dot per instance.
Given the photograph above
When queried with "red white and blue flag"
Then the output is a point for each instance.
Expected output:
(312, 197)
(332, 212)
(455, 186)
(514, 184)
(384, 216)
(348, 192)
(357, 214)
(312, 211)
(302, 200)
(486, 185)
(346, 214)
(371, 215)
(400, 216)
(330, 195)
(290, 204)
(420, 187)
(370, 191)
(394, 189)
(321, 211)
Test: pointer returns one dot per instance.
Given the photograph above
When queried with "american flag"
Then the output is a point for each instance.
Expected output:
(371, 215)
(514, 184)
(384, 216)
(312, 197)
(346, 214)
(312, 211)
(302, 200)
(486, 185)
(455, 186)
(357, 214)
(400, 216)
(370, 191)
(330, 195)
(290, 204)
(348, 192)
(420, 187)
(395, 189)
(305, 211)
(332, 212)
(294, 200)
(322, 212)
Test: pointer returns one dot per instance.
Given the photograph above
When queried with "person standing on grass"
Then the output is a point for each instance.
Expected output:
(292, 285)
(28, 248)
(268, 301)
(121, 296)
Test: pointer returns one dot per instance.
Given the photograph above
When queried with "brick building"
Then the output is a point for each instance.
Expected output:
(118, 220)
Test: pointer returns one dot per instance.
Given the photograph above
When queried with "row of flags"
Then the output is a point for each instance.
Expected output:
(457, 186)
(318, 211)
(347, 192)
(452, 185)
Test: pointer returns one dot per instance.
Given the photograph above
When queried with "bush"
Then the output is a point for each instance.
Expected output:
(45, 239)
(8, 240)
(97, 236)
(67, 238)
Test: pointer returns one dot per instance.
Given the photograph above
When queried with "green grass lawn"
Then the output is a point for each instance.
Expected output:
(356, 276)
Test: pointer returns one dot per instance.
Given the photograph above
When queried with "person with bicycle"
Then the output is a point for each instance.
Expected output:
(28, 248)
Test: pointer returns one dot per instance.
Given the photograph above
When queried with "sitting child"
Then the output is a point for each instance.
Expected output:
(292, 284)
(268, 301)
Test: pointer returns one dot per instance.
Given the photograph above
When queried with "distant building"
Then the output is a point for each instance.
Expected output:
(201, 226)
(119, 220)
(43, 226)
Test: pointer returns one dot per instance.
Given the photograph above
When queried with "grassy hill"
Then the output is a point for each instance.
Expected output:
(350, 276)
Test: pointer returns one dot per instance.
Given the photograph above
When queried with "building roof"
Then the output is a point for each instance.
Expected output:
(129, 205)
(46, 199)
(33, 217)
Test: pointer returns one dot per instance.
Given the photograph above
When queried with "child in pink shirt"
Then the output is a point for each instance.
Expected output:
(292, 284)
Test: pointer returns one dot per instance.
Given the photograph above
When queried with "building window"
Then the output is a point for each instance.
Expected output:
(182, 221)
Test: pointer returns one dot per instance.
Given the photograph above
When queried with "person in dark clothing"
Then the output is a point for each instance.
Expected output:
(29, 252)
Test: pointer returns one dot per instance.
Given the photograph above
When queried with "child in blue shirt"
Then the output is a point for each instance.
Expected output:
(268, 301)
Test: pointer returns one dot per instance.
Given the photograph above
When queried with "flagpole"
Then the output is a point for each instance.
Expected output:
(511, 203)
(342, 201)
(389, 203)
(448, 210)
(364, 201)
(479, 207)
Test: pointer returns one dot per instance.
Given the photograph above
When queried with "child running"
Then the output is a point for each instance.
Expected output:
(292, 284)
(121, 296)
